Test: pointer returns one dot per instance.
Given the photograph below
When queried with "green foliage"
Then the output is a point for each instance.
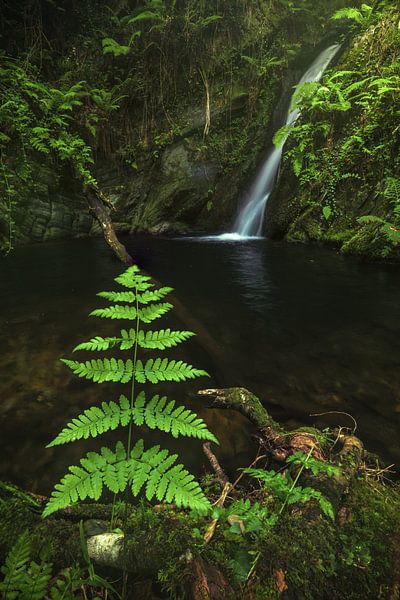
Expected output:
(155, 340)
(153, 468)
(126, 467)
(157, 413)
(111, 46)
(326, 211)
(285, 489)
(312, 464)
(362, 16)
(343, 149)
(392, 193)
(24, 579)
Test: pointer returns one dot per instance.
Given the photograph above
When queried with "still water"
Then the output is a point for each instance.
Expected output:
(306, 330)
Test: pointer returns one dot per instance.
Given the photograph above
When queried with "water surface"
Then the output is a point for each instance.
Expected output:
(305, 329)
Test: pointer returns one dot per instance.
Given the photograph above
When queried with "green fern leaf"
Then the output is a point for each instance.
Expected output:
(98, 344)
(115, 470)
(349, 13)
(160, 340)
(86, 481)
(118, 296)
(153, 340)
(158, 369)
(167, 482)
(36, 582)
(117, 311)
(142, 298)
(14, 568)
(133, 279)
(154, 311)
(160, 414)
(95, 421)
(101, 370)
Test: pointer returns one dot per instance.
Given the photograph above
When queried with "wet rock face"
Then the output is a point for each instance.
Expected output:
(53, 208)
(53, 219)
(167, 194)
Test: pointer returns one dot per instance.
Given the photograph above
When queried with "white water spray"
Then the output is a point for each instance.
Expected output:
(249, 222)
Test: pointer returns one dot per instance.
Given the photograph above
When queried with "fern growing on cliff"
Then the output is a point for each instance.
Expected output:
(132, 466)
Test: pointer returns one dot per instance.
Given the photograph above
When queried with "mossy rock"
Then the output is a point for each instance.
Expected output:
(369, 241)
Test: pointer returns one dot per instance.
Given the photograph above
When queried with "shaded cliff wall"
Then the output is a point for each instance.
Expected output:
(184, 102)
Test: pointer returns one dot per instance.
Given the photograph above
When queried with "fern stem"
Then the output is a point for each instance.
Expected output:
(296, 479)
(135, 349)
(129, 444)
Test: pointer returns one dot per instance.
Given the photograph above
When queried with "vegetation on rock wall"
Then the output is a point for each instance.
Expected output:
(344, 152)
(163, 104)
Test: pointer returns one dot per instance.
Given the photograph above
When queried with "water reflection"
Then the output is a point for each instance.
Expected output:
(247, 267)
(304, 329)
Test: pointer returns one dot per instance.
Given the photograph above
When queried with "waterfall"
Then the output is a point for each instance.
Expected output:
(249, 222)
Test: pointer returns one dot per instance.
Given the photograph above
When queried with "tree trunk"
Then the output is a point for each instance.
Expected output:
(96, 203)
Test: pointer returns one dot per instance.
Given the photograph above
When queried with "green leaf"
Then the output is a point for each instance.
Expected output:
(101, 370)
(327, 211)
(154, 468)
(158, 413)
(14, 568)
(117, 311)
(155, 370)
(131, 278)
(111, 46)
(145, 15)
(142, 298)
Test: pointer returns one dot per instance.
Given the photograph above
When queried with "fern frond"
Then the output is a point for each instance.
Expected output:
(155, 340)
(95, 421)
(102, 369)
(118, 296)
(143, 298)
(158, 369)
(349, 13)
(158, 413)
(133, 279)
(14, 568)
(166, 482)
(155, 370)
(98, 344)
(152, 467)
(37, 579)
(162, 339)
(116, 311)
(126, 312)
(154, 311)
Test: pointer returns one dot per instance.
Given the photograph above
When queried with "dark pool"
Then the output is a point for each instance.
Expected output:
(305, 329)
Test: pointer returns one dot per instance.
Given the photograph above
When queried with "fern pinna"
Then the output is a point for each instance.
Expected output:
(128, 465)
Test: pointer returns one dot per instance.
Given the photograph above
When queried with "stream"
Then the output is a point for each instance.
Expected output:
(305, 329)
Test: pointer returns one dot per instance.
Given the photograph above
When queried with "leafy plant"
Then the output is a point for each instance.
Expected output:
(128, 465)
(24, 579)
(111, 46)
(362, 16)
(287, 490)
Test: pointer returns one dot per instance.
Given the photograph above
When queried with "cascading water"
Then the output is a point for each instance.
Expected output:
(249, 222)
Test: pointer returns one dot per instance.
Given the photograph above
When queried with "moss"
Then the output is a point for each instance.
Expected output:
(338, 237)
(369, 241)
(366, 541)
(307, 227)
(161, 539)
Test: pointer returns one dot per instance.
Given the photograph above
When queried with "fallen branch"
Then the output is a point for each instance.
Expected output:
(96, 201)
